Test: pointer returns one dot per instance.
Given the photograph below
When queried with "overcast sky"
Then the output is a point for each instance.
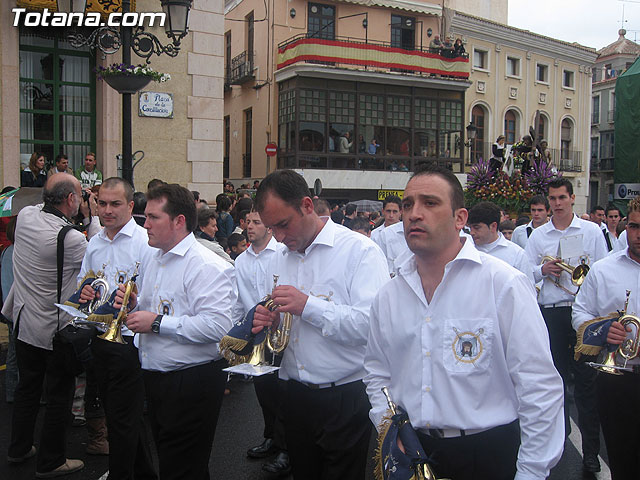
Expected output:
(593, 23)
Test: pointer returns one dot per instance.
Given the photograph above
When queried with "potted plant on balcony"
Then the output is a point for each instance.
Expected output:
(129, 78)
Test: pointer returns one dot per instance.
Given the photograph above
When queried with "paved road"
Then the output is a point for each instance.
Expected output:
(239, 427)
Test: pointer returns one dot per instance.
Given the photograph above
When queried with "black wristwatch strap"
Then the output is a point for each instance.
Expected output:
(155, 326)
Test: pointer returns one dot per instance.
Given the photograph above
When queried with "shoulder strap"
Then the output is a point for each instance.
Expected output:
(529, 230)
(607, 239)
(60, 260)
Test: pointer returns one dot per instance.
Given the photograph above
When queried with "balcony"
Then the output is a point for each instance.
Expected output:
(564, 160)
(346, 52)
(602, 165)
(241, 69)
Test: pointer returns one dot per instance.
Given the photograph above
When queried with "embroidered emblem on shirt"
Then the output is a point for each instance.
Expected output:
(121, 277)
(165, 307)
(467, 346)
(324, 297)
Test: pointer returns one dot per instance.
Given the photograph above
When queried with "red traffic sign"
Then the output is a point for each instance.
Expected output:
(271, 149)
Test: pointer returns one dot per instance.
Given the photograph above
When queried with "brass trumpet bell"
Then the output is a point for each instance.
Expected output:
(578, 273)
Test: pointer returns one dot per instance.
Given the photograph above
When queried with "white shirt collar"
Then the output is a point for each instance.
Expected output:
(467, 252)
(272, 245)
(182, 247)
(128, 229)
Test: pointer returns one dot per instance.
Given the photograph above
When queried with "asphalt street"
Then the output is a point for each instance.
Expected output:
(239, 427)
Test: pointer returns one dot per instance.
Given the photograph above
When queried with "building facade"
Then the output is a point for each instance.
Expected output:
(518, 76)
(52, 101)
(349, 90)
(612, 60)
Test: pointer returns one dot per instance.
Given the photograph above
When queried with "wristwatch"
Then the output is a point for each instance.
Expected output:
(155, 326)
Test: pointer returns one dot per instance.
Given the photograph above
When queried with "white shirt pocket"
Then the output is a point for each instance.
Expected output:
(467, 345)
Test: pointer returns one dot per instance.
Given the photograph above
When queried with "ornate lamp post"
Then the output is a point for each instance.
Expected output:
(144, 44)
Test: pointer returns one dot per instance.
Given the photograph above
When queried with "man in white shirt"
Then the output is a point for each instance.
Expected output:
(328, 278)
(394, 246)
(575, 241)
(252, 268)
(603, 292)
(613, 218)
(539, 208)
(185, 308)
(598, 216)
(392, 211)
(115, 251)
(40, 353)
(475, 376)
(483, 223)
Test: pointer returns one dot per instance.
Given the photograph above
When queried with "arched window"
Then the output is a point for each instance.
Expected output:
(510, 127)
(542, 129)
(478, 144)
(566, 135)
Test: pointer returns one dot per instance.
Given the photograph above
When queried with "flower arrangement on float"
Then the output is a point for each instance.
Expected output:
(511, 192)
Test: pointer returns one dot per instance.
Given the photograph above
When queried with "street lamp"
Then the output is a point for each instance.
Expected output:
(71, 6)
(144, 44)
(472, 130)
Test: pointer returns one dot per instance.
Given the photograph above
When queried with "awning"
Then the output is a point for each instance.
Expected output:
(408, 5)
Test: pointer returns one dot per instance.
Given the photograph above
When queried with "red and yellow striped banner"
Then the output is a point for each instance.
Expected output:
(339, 51)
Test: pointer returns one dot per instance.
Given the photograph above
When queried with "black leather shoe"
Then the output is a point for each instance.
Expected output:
(263, 450)
(590, 463)
(279, 466)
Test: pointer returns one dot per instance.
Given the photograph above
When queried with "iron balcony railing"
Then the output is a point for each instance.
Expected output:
(241, 69)
(564, 160)
(348, 52)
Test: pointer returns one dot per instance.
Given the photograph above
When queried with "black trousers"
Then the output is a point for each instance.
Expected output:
(618, 401)
(491, 454)
(34, 365)
(269, 394)
(562, 338)
(327, 431)
(183, 409)
(117, 369)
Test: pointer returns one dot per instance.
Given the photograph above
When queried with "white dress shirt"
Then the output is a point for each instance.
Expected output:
(252, 273)
(621, 243)
(469, 365)
(604, 290)
(34, 289)
(394, 246)
(511, 253)
(341, 271)
(519, 235)
(129, 245)
(195, 290)
(376, 232)
(545, 240)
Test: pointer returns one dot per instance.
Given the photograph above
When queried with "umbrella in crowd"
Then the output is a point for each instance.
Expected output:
(12, 202)
(367, 205)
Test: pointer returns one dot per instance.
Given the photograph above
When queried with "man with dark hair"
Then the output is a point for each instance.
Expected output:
(182, 367)
(434, 353)
(350, 212)
(611, 283)
(612, 214)
(115, 251)
(597, 215)
(539, 208)
(506, 228)
(206, 233)
(61, 166)
(139, 204)
(362, 225)
(237, 244)
(391, 210)
(573, 241)
(483, 223)
(252, 267)
(241, 227)
(321, 207)
(328, 276)
(89, 175)
(30, 304)
(155, 183)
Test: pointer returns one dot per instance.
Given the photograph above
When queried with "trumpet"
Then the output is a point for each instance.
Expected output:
(616, 361)
(578, 273)
(114, 327)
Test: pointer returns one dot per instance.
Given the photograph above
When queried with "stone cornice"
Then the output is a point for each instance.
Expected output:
(505, 35)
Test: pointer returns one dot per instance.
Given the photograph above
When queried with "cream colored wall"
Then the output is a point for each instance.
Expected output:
(9, 106)
(264, 101)
(496, 10)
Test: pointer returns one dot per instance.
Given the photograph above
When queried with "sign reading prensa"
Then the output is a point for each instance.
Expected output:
(382, 194)
(155, 104)
(626, 191)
